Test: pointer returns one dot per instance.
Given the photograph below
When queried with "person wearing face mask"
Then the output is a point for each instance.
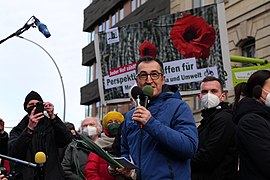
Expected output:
(38, 132)
(111, 123)
(216, 157)
(76, 154)
(96, 167)
(252, 116)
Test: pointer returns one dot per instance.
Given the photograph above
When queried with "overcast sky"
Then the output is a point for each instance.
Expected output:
(25, 67)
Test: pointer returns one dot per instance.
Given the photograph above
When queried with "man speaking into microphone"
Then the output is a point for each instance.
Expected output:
(165, 138)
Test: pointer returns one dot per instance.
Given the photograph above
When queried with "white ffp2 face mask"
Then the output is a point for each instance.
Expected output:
(209, 100)
(90, 131)
(267, 99)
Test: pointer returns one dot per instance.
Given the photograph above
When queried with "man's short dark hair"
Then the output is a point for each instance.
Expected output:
(212, 78)
(148, 59)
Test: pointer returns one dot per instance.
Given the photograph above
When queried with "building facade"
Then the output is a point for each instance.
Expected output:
(247, 24)
(99, 16)
(248, 27)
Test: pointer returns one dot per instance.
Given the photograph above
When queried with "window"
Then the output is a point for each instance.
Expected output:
(90, 74)
(138, 3)
(196, 3)
(113, 19)
(133, 5)
(116, 17)
(98, 110)
(88, 110)
(104, 26)
(100, 29)
(91, 36)
(143, 1)
(248, 48)
(121, 14)
(107, 26)
(96, 73)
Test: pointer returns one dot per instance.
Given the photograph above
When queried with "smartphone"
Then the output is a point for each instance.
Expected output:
(39, 107)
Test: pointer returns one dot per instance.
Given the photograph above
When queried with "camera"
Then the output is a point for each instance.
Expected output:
(39, 107)
(3, 171)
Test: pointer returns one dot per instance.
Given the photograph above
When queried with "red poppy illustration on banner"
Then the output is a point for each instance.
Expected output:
(192, 36)
(147, 49)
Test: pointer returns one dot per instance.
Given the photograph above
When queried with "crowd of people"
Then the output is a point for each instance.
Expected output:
(232, 141)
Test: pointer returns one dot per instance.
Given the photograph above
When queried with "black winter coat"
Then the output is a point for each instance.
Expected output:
(47, 137)
(217, 156)
(253, 136)
(4, 143)
(3, 146)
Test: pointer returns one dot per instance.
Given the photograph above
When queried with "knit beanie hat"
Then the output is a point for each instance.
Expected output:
(112, 115)
(31, 96)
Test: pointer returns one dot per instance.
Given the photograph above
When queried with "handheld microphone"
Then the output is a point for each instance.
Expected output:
(42, 28)
(148, 93)
(136, 92)
(40, 159)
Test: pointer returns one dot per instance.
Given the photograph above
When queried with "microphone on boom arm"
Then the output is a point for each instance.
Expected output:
(42, 27)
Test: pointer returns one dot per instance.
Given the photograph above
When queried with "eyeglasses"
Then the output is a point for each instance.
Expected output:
(153, 75)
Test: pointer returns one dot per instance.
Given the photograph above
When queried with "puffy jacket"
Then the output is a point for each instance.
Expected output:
(163, 147)
(97, 168)
(253, 137)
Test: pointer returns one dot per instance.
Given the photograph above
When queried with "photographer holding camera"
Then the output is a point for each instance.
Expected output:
(38, 132)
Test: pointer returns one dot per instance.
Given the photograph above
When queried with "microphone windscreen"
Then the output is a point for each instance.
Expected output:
(148, 90)
(40, 158)
(135, 92)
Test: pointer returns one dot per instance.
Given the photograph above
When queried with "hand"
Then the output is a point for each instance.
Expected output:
(112, 171)
(2, 177)
(49, 107)
(119, 171)
(34, 119)
(141, 115)
(125, 172)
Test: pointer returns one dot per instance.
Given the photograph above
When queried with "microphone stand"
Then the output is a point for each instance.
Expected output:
(39, 175)
(39, 172)
(26, 163)
(21, 30)
(27, 25)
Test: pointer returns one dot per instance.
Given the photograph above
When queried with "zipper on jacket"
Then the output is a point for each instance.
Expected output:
(140, 155)
(170, 169)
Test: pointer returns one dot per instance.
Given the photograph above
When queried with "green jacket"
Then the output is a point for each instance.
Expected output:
(74, 160)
